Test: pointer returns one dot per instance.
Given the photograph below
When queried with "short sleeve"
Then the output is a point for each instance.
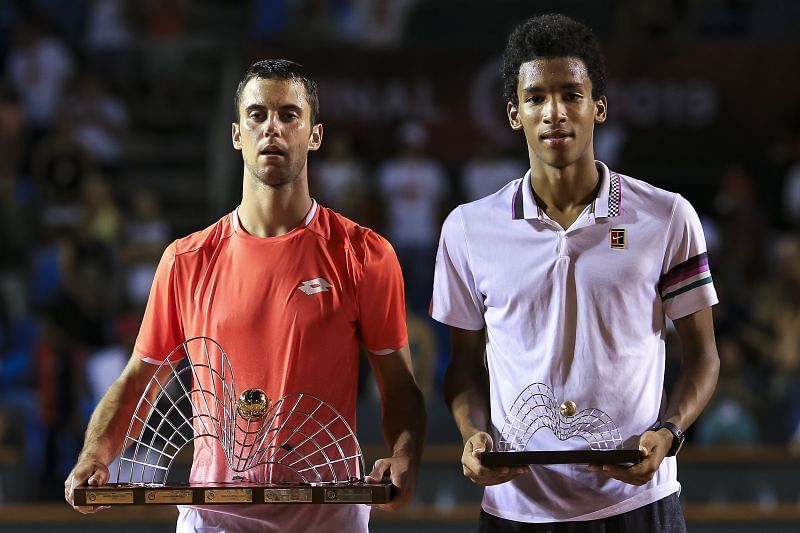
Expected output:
(161, 330)
(456, 301)
(381, 298)
(686, 285)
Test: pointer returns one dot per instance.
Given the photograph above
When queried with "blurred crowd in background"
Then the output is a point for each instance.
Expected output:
(103, 163)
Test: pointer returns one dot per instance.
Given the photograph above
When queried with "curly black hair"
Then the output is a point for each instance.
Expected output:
(547, 36)
(280, 69)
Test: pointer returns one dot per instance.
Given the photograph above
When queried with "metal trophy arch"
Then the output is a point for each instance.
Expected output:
(537, 408)
(303, 449)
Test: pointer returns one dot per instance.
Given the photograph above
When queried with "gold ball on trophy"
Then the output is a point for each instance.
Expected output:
(252, 404)
(568, 408)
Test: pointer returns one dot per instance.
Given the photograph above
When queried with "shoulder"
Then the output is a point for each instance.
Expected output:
(360, 241)
(641, 195)
(206, 239)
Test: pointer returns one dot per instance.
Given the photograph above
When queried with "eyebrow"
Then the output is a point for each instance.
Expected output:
(564, 86)
(285, 107)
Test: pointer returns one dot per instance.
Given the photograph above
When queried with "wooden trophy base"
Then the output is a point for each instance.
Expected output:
(232, 493)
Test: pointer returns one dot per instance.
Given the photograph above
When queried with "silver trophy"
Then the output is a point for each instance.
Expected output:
(310, 452)
(537, 408)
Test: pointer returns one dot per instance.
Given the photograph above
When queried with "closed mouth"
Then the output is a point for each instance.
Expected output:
(272, 150)
(555, 134)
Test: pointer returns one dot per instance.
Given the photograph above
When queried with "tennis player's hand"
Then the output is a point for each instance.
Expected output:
(401, 470)
(480, 475)
(653, 445)
(88, 471)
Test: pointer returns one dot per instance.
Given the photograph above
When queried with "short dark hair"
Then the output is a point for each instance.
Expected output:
(548, 36)
(280, 69)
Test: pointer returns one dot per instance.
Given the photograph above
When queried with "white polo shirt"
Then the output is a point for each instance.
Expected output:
(581, 310)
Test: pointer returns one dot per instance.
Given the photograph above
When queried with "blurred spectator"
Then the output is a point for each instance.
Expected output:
(774, 334)
(744, 231)
(39, 65)
(99, 119)
(313, 22)
(791, 195)
(422, 344)
(17, 232)
(147, 234)
(166, 25)
(730, 417)
(101, 217)
(59, 364)
(609, 142)
(6, 23)
(381, 23)
(59, 167)
(11, 129)
(66, 19)
(108, 28)
(269, 20)
(414, 187)
(488, 171)
(109, 36)
(338, 180)
(651, 19)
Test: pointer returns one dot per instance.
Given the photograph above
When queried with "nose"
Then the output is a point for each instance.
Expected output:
(273, 124)
(554, 111)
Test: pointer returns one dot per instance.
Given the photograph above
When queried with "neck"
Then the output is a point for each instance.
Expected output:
(566, 188)
(272, 211)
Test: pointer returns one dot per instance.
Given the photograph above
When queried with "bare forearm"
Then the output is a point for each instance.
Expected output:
(699, 369)
(466, 382)
(404, 421)
(693, 390)
(467, 398)
(109, 424)
(112, 416)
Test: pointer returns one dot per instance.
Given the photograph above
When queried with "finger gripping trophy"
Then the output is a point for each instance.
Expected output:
(304, 447)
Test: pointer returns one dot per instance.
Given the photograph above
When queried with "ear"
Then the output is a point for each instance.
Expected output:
(236, 136)
(513, 117)
(600, 110)
(315, 140)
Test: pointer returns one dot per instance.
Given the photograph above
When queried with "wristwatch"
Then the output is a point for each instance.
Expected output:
(678, 436)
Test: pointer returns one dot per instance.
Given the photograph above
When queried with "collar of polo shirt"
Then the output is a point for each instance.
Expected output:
(607, 204)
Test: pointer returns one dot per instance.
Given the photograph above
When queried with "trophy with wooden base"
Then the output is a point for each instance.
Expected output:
(537, 408)
(301, 445)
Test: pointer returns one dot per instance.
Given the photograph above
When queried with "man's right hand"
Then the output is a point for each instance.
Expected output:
(480, 475)
(88, 471)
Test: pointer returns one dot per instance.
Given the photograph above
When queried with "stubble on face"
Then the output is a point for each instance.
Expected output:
(274, 115)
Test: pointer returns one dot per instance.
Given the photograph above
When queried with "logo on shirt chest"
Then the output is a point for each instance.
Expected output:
(315, 286)
(618, 238)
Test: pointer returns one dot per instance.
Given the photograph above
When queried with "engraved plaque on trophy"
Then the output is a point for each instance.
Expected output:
(304, 450)
(537, 408)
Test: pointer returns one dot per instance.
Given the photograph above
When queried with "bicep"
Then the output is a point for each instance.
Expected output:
(393, 370)
(137, 374)
(696, 332)
(467, 347)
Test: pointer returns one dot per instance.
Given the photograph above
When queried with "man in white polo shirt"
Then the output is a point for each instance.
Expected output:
(567, 277)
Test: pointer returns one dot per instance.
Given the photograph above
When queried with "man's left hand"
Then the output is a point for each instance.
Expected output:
(402, 472)
(653, 446)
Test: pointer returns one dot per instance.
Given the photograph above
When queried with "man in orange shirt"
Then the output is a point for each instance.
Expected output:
(289, 289)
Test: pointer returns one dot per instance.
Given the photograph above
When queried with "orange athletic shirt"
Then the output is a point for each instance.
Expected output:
(289, 310)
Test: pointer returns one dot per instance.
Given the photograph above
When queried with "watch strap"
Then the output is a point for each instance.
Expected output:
(677, 436)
